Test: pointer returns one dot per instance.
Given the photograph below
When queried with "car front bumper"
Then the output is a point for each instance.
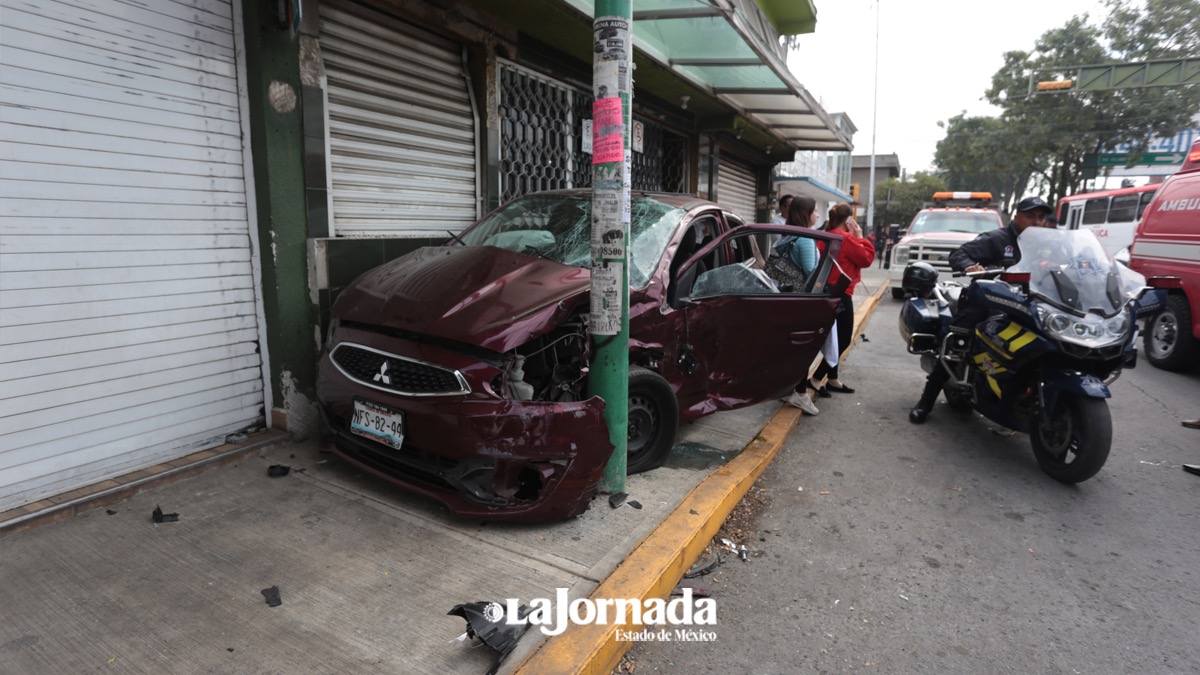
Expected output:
(480, 455)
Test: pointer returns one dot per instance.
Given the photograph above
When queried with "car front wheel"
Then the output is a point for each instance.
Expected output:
(653, 420)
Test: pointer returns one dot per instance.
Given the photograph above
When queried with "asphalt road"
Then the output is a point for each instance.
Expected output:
(893, 548)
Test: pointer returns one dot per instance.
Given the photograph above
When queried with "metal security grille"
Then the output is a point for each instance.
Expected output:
(582, 170)
(661, 166)
(736, 187)
(129, 300)
(396, 373)
(536, 120)
(541, 140)
(402, 140)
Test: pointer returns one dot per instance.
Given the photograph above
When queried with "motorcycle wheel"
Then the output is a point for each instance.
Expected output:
(1076, 443)
(653, 420)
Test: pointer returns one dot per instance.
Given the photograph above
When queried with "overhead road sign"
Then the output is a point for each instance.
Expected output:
(1165, 73)
(1148, 158)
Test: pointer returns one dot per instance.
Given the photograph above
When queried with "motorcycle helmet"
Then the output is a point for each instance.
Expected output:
(919, 279)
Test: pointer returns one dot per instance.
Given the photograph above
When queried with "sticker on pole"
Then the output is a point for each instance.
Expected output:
(610, 35)
(608, 131)
(607, 299)
(608, 229)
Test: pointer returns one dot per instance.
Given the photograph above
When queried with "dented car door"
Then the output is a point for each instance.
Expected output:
(748, 338)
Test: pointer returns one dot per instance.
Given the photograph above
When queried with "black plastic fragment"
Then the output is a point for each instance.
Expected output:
(615, 500)
(277, 470)
(110, 512)
(635, 503)
(697, 591)
(488, 622)
(272, 596)
(1192, 468)
(709, 560)
(159, 517)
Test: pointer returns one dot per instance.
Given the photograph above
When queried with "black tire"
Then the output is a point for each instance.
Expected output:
(1169, 342)
(897, 293)
(653, 420)
(1076, 445)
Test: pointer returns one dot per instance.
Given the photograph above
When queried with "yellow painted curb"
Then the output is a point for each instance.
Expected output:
(657, 564)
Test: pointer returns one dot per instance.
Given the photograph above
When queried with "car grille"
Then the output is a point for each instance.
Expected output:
(934, 253)
(395, 373)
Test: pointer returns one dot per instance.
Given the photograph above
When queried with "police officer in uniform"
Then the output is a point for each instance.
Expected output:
(997, 248)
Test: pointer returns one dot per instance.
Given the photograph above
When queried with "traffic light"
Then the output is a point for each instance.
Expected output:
(854, 191)
(1055, 85)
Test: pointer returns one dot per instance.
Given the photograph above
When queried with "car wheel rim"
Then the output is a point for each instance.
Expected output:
(1165, 333)
(643, 420)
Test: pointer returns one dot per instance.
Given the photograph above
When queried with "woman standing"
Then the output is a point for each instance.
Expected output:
(856, 253)
(802, 251)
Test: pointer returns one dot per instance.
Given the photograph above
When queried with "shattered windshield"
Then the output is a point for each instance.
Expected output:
(1071, 269)
(955, 221)
(558, 227)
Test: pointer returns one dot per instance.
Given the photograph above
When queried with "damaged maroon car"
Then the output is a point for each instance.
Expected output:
(460, 372)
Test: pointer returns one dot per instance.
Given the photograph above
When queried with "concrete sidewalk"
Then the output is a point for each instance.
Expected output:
(366, 573)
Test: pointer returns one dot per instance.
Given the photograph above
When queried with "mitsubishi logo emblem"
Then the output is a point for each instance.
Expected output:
(382, 375)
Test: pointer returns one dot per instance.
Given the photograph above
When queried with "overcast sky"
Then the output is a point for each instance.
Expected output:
(936, 59)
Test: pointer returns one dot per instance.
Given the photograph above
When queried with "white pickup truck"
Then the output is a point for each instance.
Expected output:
(947, 222)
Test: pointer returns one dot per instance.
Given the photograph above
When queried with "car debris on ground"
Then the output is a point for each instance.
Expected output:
(272, 596)
(159, 517)
(487, 621)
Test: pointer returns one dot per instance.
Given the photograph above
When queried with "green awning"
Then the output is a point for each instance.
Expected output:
(724, 47)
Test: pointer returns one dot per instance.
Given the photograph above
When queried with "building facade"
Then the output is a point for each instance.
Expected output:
(187, 186)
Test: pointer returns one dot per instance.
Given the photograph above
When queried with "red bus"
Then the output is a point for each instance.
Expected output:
(1111, 214)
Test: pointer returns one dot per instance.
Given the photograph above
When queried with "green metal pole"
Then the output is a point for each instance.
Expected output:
(612, 70)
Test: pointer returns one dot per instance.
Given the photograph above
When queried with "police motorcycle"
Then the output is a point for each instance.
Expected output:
(1059, 327)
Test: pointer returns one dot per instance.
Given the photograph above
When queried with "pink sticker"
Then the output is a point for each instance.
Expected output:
(608, 134)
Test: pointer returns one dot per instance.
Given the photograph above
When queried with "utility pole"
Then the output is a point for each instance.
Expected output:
(612, 66)
(874, 123)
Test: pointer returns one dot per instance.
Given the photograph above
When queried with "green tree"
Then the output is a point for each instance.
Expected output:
(1048, 135)
(976, 156)
(907, 196)
(1143, 30)
(1149, 30)
(1038, 144)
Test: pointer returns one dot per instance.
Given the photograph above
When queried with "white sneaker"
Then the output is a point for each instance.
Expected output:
(803, 402)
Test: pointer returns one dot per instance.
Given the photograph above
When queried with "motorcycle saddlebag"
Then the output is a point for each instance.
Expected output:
(923, 317)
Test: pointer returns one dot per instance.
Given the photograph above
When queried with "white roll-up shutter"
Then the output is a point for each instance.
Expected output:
(401, 127)
(128, 329)
(736, 187)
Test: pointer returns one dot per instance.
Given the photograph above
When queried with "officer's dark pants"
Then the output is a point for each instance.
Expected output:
(967, 317)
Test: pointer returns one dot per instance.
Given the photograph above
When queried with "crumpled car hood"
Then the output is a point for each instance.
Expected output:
(482, 295)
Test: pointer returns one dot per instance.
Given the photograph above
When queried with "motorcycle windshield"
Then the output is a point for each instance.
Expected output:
(1070, 269)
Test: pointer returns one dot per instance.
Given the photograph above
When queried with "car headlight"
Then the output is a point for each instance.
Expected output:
(1090, 330)
(900, 254)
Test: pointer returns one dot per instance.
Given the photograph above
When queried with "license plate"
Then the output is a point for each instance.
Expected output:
(378, 423)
